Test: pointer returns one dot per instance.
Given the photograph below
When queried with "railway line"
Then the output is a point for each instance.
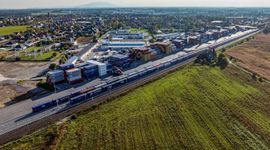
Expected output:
(66, 104)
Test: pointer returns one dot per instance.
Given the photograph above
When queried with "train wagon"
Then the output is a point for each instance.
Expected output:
(80, 92)
(77, 99)
(63, 100)
(133, 76)
(44, 106)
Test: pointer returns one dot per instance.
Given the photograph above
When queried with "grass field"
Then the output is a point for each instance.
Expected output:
(197, 107)
(39, 57)
(254, 55)
(12, 29)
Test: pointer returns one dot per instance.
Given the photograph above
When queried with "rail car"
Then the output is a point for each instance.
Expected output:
(132, 77)
(83, 91)
(44, 106)
(77, 99)
(63, 100)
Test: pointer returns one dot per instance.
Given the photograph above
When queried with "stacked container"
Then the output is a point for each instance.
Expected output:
(109, 68)
(89, 71)
(66, 66)
(165, 47)
(56, 76)
(150, 55)
(102, 67)
(119, 60)
(73, 75)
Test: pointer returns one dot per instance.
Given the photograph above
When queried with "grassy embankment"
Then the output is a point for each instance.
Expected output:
(12, 29)
(197, 107)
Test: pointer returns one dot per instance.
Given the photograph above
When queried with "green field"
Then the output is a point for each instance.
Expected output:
(39, 57)
(12, 29)
(197, 107)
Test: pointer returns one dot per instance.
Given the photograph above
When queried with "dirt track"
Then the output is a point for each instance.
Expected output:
(254, 55)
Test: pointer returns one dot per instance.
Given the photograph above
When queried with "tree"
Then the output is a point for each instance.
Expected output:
(54, 54)
(52, 66)
(222, 61)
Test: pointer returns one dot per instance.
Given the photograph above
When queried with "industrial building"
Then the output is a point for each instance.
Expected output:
(169, 36)
(194, 40)
(119, 45)
(125, 34)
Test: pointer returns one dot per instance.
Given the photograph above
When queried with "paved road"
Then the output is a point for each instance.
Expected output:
(18, 115)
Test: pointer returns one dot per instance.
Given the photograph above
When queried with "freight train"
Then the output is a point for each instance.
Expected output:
(92, 92)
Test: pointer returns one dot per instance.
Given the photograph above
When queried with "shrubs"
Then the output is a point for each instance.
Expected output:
(207, 59)
(73, 117)
(45, 85)
(222, 61)
(211, 60)
(52, 66)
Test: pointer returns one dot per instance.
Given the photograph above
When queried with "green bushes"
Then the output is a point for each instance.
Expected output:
(222, 61)
(45, 85)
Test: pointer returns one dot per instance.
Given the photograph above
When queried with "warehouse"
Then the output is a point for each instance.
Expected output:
(125, 34)
(169, 36)
(117, 45)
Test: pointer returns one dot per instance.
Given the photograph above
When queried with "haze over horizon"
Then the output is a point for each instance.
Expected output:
(24, 4)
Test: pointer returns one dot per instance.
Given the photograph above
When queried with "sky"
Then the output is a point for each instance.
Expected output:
(21, 4)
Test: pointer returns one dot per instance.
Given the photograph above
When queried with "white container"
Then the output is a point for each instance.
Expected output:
(73, 74)
(55, 76)
(102, 67)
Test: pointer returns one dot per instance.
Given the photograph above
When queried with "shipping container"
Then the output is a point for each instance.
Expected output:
(102, 67)
(73, 75)
(44, 106)
(66, 66)
(119, 60)
(90, 71)
(56, 76)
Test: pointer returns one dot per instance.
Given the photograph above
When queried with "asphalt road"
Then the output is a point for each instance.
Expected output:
(20, 114)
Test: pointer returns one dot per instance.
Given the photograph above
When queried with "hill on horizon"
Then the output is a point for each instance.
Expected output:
(98, 5)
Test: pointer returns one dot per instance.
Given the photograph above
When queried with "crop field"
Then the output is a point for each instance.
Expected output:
(12, 29)
(197, 107)
(254, 55)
